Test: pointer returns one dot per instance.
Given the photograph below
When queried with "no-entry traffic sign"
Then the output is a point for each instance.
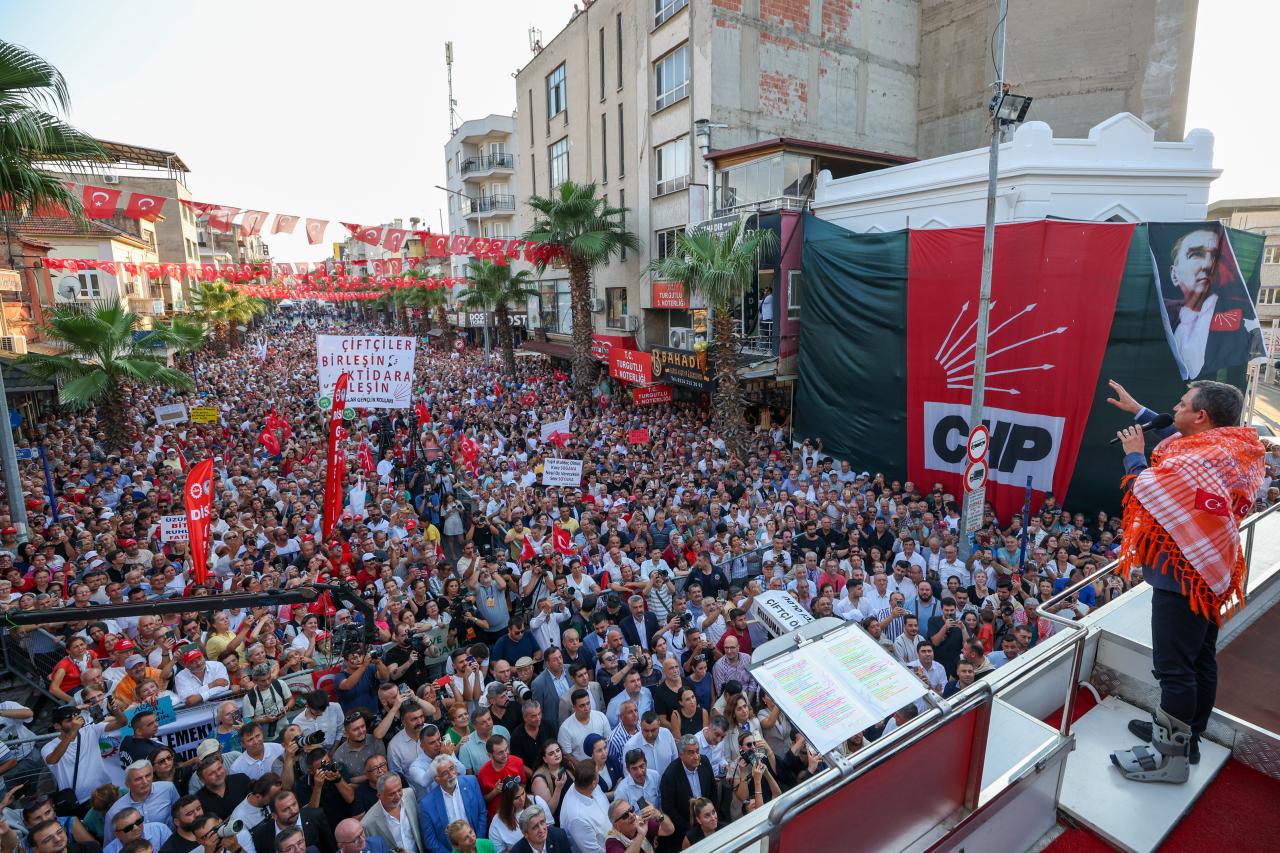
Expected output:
(979, 438)
(975, 476)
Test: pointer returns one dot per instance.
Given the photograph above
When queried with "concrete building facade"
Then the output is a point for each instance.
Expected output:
(480, 167)
(1261, 216)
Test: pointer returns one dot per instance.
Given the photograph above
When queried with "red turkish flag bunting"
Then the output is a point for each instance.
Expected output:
(379, 267)
(220, 217)
(252, 221)
(315, 230)
(208, 272)
(283, 224)
(107, 267)
(394, 239)
(99, 202)
(397, 266)
(199, 208)
(459, 244)
(369, 234)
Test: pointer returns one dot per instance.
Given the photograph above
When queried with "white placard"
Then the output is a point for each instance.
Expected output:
(381, 368)
(837, 686)
(562, 472)
(976, 503)
(174, 414)
(550, 429)
(173, 528)
(779, 612)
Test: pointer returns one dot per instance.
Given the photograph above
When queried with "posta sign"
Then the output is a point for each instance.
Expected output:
(631, 366)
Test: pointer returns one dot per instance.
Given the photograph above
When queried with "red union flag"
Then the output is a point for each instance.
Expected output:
(1053, 292)
(336, 464)
(283, 224)
(99, 202)
(143, 206)
(198, 500)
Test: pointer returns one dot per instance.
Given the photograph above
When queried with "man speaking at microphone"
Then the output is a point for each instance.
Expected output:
(1181, 525)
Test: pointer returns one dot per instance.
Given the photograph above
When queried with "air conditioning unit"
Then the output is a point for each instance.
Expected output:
(111, 179)
(633, 323)
(597, 305)
(16, 344)
(680, 338)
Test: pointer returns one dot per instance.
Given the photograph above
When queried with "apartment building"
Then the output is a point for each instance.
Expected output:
(137, 168)
(1261, 216)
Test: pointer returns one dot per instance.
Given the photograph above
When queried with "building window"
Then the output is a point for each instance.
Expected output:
(448, 168)
(1269, 296)
(89, 286)
(671, 76)
(622, 220)
(615, 306)
(555, 308)
(531, 116)
(558, 163)
(795, 284)
(672, 165)
(604, 146)
(602, 63)
(556, 101)
(622, 148)
(664, 9)
(497, 150)
(619, 51)
(664, 242)
(1271, 255)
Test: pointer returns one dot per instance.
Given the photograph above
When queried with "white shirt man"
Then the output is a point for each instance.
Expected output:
(952, 566)
(255, 767)
(849, 606)
(576, 727)
(585, 817)
(188, 684)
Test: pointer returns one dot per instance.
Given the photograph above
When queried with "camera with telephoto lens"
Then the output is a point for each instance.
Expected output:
(418, 643)
(230, 828)
(304, 741)
(518, 691)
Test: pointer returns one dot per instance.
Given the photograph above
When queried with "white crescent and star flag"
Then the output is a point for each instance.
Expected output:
(99, 202)
(315, 230)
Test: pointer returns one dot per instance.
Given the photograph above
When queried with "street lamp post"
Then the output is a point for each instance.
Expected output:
(984, 288)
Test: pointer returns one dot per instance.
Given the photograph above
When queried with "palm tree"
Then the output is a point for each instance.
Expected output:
(185, 336)
(105, 351)
(31, 137)
(719, 268)
(240, 310)
(589, 232)
(494, 288)
(209, 301)
(428, 300)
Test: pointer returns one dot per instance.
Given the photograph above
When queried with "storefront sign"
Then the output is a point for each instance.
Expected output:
(682, 367)
(630, 366)
(651, 395)
(670, 294)
(601, 344)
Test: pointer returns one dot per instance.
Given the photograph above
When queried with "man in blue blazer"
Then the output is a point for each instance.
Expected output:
(452, 797)
(352, 838)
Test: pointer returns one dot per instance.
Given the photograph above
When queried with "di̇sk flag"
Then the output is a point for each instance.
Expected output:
(198, 501)
(336, 460)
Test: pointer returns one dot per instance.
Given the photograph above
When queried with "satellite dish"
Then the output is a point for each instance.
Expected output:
(68, 288)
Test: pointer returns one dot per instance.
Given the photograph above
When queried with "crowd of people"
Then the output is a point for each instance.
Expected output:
(526, 668)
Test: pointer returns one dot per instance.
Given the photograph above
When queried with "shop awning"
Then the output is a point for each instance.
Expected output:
(555, 349)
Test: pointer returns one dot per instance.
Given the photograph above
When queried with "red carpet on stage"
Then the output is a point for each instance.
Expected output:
(1238, 811)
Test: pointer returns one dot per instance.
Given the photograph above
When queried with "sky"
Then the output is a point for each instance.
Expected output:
(338, 110)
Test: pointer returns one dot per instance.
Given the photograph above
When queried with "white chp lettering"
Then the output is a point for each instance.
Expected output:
(1021, 444)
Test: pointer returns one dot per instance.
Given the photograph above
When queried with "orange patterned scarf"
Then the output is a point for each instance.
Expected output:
(1186, 509)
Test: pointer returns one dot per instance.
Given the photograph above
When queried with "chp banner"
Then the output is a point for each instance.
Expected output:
(198, 499)
(336, 458)
(380, 368)
(1074, 304)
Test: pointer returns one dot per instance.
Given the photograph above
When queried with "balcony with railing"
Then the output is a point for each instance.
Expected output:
(493, 204)
(483, 164)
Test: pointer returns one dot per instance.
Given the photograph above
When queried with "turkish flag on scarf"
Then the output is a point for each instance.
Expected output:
(336, 465)
(562, 541)
(251, 222)
(144, 206)
(315, 230)
(99, 202)
(198, 500)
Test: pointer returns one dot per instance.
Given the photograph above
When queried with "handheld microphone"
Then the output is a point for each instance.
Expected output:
(1158, 422)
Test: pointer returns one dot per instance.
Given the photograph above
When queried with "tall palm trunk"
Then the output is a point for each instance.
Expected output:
(504, 339)
(584, 366)
(728, 394)
(115, 418)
